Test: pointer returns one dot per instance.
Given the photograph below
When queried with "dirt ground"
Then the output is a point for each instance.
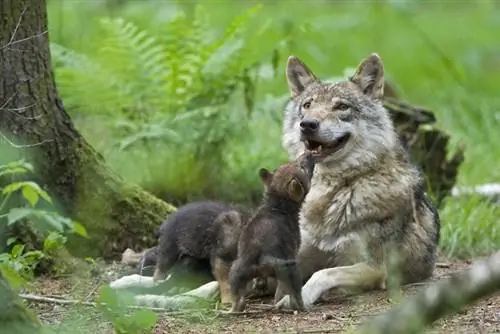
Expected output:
(335, 314)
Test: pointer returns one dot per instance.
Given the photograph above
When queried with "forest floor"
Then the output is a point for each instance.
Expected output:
(334, 314)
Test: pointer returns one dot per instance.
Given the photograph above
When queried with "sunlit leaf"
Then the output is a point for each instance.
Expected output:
(30, 195)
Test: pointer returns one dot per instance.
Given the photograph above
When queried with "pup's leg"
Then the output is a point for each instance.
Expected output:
(280, 292)
(289, 280)
(221, 274)
(360, 275)
(165, 259)
(239, 276)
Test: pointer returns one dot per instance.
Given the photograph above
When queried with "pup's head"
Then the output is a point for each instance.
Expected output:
(342, 121)
(291, 180)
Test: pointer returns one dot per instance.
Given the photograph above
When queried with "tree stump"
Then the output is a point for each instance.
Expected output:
(428, 145)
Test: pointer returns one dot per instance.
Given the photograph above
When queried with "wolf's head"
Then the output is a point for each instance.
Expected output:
(344, 122)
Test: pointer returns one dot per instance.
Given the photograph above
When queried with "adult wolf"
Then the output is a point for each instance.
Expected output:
(366, 197)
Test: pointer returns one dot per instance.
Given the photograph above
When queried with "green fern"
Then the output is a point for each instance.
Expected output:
(179, 94)
(136, 74)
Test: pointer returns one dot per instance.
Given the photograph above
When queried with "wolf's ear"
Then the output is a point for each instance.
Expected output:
(370, 76)
(266, 176)
(298, 75)
(295, 190)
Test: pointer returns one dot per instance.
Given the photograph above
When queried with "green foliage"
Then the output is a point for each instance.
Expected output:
(113, 306)
(18, 259)
(148, 91)
(175, 143)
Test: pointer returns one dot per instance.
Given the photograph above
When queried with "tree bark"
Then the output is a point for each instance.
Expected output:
(116, 214)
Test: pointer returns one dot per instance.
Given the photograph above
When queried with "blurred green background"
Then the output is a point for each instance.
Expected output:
(186, 98)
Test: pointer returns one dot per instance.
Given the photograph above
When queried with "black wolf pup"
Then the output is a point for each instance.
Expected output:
(270, 241)
(197, 233)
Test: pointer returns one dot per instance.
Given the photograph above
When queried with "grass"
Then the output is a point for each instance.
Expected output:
(440, 56)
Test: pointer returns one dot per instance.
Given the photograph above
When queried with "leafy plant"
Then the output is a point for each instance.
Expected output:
(17, 259)
(113, 307)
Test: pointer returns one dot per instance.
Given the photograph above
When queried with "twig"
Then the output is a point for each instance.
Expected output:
(94, 289)
(259, 312)
(24, 146)
(443, 265)
(43, 299)
(15, 30)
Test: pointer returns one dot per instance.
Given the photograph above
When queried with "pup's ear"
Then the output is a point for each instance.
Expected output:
(266, 176)
(295, 190)
(298, 76)
(369, 76)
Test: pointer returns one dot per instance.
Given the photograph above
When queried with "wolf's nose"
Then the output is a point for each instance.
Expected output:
(309, 125)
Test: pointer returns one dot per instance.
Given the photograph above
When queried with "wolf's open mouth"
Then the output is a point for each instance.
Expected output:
(318, 148)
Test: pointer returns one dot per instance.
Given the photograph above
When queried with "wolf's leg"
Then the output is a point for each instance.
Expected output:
(360, 275)
(289, 280)
(221, 274)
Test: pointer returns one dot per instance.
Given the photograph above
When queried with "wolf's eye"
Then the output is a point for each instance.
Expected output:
(341, 106)
(306, 105)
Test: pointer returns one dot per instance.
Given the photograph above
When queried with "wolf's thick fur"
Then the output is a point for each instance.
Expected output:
(366, 201)
(269, 242)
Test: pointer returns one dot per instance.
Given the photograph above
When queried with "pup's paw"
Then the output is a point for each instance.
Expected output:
(284, 303)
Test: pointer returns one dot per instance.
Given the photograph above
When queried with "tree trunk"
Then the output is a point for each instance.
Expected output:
(116, 214)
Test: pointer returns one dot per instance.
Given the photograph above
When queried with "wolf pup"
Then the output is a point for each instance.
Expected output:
(366, 210)
(201, 231)
(270, 241)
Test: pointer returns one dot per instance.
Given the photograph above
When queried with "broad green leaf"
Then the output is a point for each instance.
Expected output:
(79, 229)
(17, 185)
(31, 195)
(17, 170)
(14, 280)
(53, 241)
(33, 256)
(52, 220)
(12, 187)
(17, 214)
(17, 251)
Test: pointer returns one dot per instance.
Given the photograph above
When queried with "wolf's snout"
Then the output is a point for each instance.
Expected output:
(309, 125)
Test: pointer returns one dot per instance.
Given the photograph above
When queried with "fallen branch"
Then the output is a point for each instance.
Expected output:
(481, 280)
(42, 299)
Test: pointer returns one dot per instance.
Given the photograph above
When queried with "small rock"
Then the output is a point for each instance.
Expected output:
(325, 317)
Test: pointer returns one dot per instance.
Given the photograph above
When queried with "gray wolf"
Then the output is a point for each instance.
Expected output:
(269, 242)
(200, 232)
(366, 211)
(366, 198)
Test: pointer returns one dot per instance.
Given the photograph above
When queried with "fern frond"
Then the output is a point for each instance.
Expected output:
(85, 84)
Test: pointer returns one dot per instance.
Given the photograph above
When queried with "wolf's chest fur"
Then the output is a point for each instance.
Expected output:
(326, 209)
